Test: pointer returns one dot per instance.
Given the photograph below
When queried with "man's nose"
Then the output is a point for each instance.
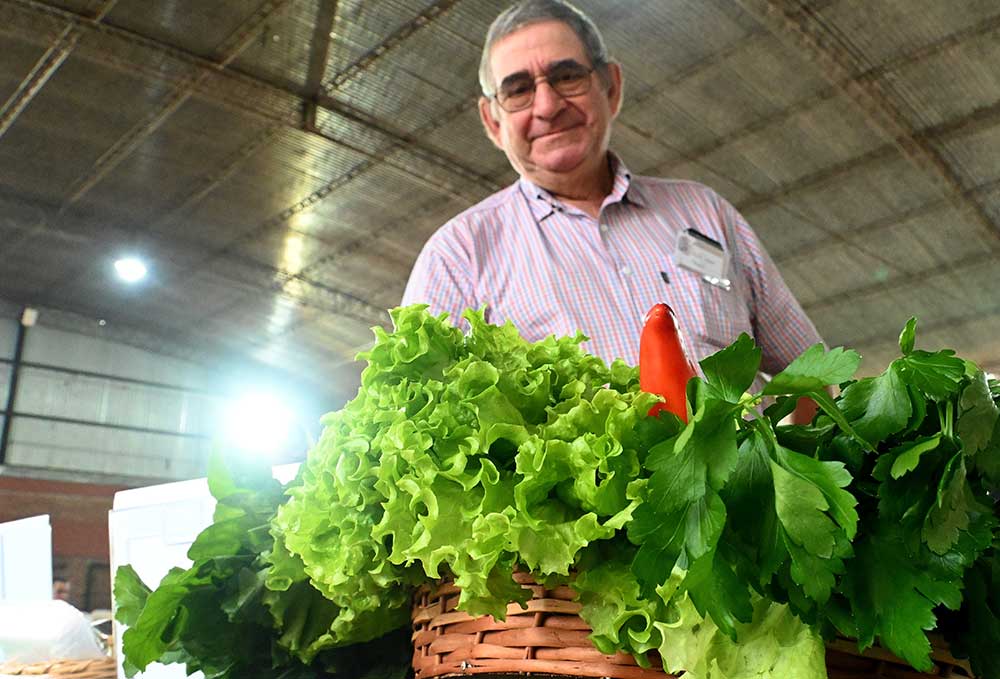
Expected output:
(548, 103)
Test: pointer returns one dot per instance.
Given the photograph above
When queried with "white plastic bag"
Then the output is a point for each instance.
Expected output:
(40, 631)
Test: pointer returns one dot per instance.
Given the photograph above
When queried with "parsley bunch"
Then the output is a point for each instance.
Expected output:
(875, 521)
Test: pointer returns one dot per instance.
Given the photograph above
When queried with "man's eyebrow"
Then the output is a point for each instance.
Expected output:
(520, 75)
(514, 77)
(561, 64)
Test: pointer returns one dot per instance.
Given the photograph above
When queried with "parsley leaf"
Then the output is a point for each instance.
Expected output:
(814, 370)
(938, 375)
(893, 597)
(877, 406)
(906, 457)
(950, 512)
(804, 489)
(907, 336)
(683, 516)
(732, 370)
(978, 415)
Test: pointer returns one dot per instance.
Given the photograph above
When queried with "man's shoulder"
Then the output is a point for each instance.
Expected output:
(665, 189)
(487, 213)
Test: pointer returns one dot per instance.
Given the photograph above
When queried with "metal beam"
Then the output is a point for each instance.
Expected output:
(15, 373)
(840, 65)
(319, 55)
(210, 181)
(340, 302)
(867, 229)
(282, 283)
(328, 188)
(909, 280)
(943, 44)
(44, 69)
(755, 37)
(75, 372)
(228, 51)
(251, 95)
(961, 126)
(10, 415)
(390, 42)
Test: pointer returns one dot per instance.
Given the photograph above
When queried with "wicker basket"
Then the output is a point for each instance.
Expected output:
(550, 638)
(104, 668)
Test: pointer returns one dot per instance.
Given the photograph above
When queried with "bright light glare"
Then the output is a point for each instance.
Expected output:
(130, 269)
(258, 423)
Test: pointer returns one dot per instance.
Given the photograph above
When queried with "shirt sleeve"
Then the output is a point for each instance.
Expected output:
(442, 277)
(781, 327)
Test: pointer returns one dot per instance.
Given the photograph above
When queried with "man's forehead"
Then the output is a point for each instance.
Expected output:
(535, 48)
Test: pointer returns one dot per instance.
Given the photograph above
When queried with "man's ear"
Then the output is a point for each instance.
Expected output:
(615, 86)
(490, 124)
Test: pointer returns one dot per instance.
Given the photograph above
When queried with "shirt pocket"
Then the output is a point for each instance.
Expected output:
(725, 314)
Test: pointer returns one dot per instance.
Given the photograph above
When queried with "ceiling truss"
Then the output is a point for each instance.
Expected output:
(812, 38)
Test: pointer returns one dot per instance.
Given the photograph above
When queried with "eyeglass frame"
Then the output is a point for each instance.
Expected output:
(495, 96)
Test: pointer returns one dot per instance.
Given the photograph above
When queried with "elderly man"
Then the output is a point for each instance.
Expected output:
(580, 243)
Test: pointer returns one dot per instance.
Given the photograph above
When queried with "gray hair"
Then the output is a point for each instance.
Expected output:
(536, 11)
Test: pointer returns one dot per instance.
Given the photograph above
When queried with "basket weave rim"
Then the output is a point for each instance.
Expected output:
(92, 668)
(432, 619)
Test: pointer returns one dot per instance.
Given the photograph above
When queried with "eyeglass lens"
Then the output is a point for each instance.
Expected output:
(567, 79)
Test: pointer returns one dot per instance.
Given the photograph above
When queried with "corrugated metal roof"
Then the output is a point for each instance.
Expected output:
(282, 162)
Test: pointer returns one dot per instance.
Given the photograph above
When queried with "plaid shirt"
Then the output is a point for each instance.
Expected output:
(552, 269)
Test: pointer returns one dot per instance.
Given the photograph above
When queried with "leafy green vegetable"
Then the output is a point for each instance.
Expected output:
(978, 415)
(726, 544)
(219, 618)
(907, 337)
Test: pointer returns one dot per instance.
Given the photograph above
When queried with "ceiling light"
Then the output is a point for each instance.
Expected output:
(130, 269)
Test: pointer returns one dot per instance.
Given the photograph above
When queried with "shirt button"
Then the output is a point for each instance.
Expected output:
(626, 270)
(603, 228)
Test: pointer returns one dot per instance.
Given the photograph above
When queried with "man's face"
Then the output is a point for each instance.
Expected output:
(555, 136)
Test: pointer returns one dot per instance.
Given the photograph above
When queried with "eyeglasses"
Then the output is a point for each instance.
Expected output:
(568, 79)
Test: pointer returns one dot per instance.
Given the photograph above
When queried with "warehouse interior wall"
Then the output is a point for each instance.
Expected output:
(89, 417)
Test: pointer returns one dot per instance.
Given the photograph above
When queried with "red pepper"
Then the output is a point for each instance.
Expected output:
(664, 368)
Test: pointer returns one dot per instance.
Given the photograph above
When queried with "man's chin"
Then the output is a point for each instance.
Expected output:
(562, 161)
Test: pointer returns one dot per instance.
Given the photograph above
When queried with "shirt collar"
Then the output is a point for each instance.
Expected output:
(543, 203)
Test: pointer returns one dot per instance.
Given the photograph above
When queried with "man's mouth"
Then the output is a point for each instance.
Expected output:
(553, 133)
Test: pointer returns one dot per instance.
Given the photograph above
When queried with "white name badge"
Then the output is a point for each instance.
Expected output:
(699, 253)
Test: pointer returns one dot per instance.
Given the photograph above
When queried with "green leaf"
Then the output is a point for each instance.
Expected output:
(731, 371)
(683, 516)
(156, 627)
(908, 335)
(893, 597)
(829, 407)
(906, 457)
(974, 631)
(801, 509)
(774, 643)
(814, 370)
(750, 499)
(130, 595)
(937, 375)
(817, 518)
(831, 479)
(619, 617)
(877, 407)
(987, 461)
(950, 513)
(718, 592)
(978, 415)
